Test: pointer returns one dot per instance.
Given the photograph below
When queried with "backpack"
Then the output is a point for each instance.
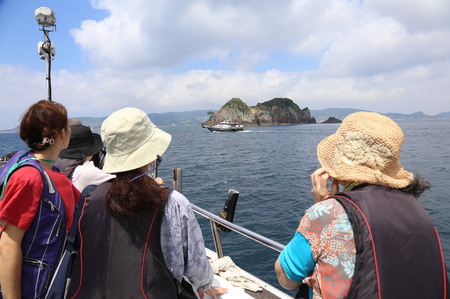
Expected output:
(61, 279)
(43, 243)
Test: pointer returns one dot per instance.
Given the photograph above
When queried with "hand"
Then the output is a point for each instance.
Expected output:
(212, 292)
(319, 181)
(159, 181)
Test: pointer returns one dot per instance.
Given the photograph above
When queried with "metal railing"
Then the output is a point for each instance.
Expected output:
(217, 221)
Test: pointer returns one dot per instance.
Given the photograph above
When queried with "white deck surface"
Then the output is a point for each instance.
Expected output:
(238, 293)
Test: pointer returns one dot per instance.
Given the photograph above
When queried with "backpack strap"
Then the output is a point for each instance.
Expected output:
(13, 164)
(69, 172)
(71, 237)
(20, 159)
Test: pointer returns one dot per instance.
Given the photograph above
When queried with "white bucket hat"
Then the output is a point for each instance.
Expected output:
(131, 140)
(365, 149)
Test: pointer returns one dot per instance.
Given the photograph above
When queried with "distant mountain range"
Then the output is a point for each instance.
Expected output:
(186, 118)
(197, 117)
(341, 113)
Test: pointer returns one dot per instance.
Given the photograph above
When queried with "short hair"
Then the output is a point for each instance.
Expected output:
(43, 119)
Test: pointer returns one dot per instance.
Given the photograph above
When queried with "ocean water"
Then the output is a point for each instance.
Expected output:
(271, 167)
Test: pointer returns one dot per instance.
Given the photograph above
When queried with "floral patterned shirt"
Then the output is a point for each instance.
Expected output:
(182, 243)
(327, 228)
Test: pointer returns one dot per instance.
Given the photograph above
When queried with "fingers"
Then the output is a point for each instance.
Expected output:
(159, 181)
(319, 173)
(212, 292)
(221, 291)
(319, 181)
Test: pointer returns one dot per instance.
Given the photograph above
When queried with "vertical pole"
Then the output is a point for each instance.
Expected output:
(177, 182)
(48, 57)
(217, 240)
(177, 179)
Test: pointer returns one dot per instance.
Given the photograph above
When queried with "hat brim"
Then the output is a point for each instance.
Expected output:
(148, 152)
(325, 153)
(361, 173)
(82, 152)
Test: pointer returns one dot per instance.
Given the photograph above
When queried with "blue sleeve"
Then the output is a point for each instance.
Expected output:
(296, 258)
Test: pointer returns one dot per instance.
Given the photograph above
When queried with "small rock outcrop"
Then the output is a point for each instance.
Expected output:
(332, 120)
(278, 111)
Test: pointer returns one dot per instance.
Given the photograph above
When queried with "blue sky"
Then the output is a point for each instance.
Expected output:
(168, 55)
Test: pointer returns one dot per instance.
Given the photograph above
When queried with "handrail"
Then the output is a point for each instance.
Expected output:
(217, 220)
(239, 229)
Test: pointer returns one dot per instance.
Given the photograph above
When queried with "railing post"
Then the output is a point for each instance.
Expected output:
(228, 208)
(217, 240)
(217, 221)
(177, 185)
(178, 179)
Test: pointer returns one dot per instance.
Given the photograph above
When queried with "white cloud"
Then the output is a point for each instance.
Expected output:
(416, 15)
(167, 55)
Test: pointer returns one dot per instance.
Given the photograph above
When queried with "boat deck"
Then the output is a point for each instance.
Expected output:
(268, 292)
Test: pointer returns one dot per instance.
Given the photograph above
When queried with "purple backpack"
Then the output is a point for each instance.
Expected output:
(43, 242)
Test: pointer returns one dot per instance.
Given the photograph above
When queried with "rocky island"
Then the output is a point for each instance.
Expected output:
(276, 112)
(332, 120)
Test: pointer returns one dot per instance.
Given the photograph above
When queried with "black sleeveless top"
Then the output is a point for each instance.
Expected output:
(398, 252)
(120, 257)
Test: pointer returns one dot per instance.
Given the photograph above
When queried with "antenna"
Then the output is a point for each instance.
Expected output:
(45, 17)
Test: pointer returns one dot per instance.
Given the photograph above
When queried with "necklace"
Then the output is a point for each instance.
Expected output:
(47, 160)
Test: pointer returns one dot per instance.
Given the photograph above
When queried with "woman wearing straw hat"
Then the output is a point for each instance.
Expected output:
(76, 160)
(374, 239)
(136, 236)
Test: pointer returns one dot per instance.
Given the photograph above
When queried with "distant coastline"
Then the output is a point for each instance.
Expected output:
(196, 117)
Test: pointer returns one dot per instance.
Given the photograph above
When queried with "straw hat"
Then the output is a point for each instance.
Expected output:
(365, 149)
(83, 143)
(131, 140)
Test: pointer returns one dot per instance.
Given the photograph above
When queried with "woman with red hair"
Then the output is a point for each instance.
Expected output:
(36, 204)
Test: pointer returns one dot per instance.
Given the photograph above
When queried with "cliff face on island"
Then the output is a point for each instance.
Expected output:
(234, 110)
(278, 111)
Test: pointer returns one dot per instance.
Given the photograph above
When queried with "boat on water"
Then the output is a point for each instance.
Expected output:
(225, 126)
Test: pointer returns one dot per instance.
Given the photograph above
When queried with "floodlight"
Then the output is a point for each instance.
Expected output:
(45, 17)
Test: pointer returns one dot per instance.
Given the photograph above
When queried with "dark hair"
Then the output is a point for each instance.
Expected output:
(128, 198)
(99, 158)
(44, 119)
(417, 187)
